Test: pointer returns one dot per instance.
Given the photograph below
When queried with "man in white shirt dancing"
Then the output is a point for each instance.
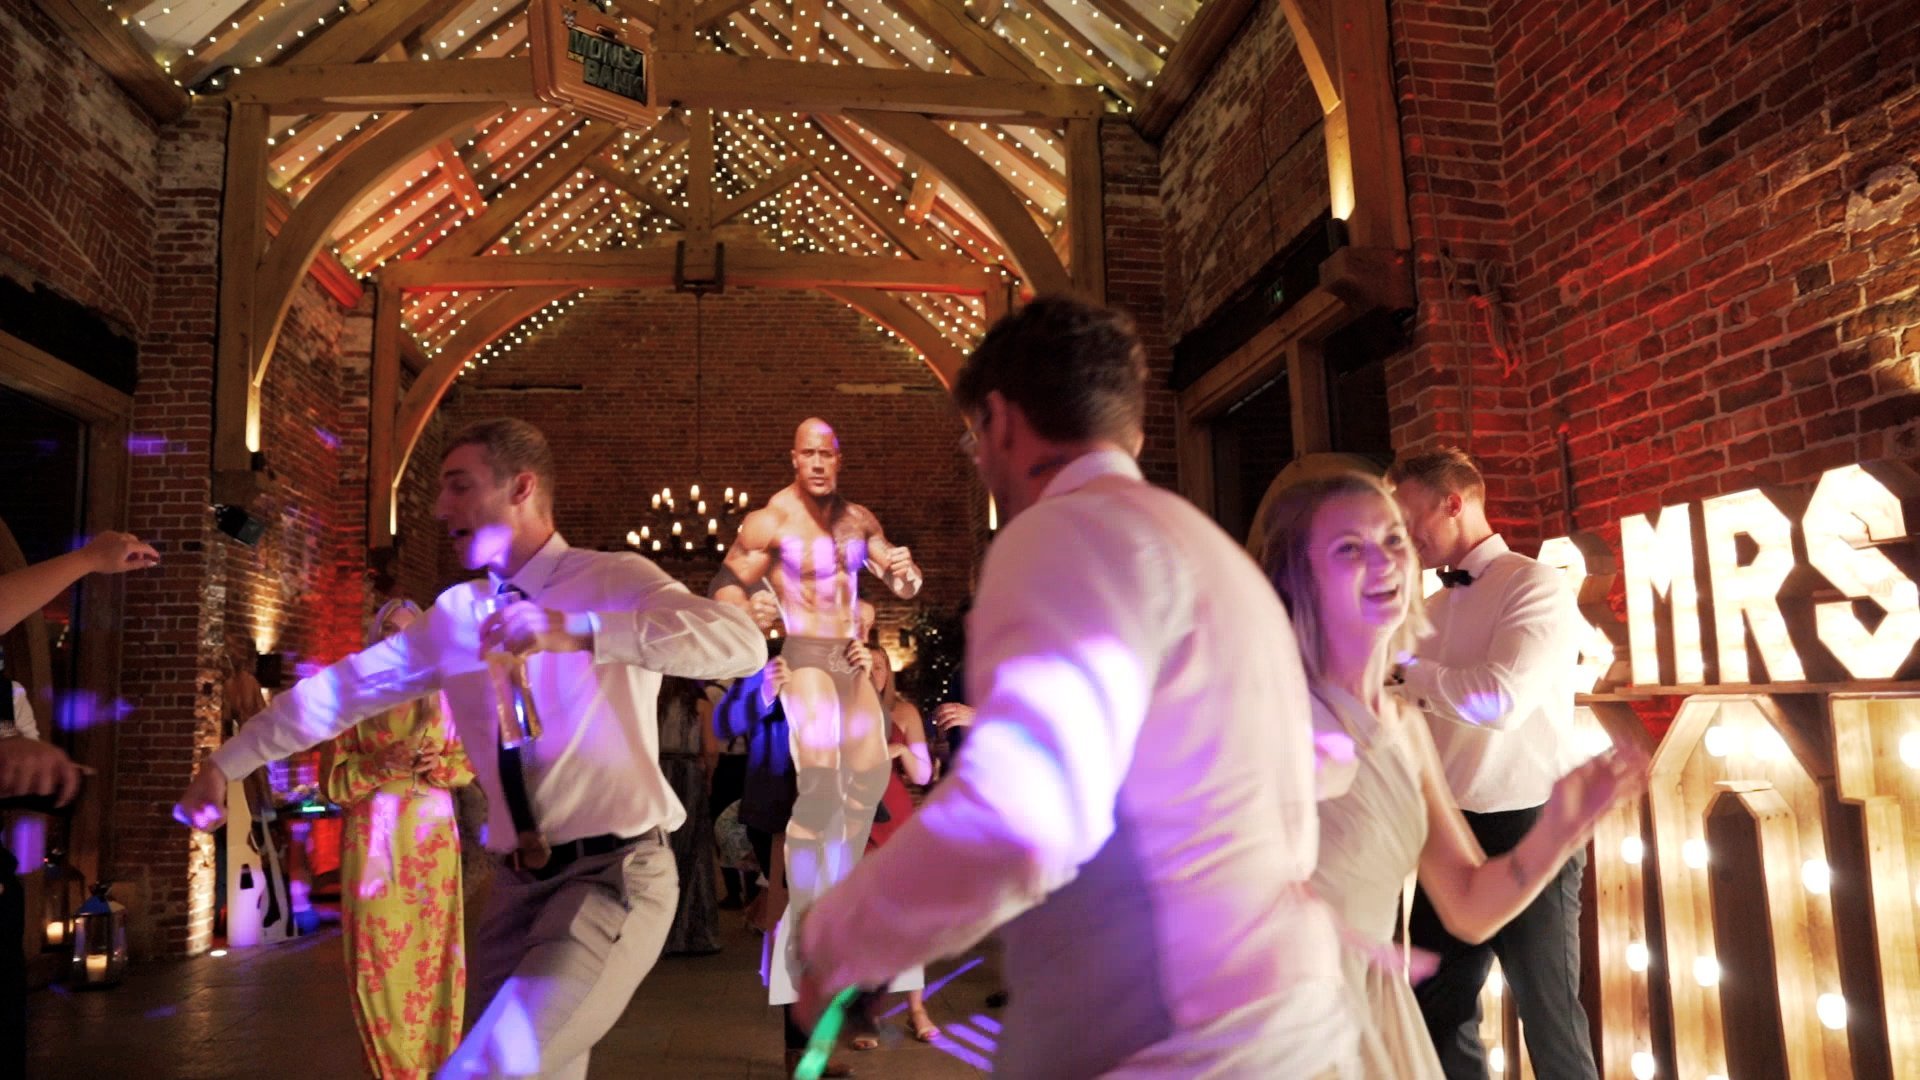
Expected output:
(579, 814)
(1495, 678)
(1135, 803)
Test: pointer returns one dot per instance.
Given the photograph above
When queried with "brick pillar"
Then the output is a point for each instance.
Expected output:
(170, 675)
(1454, 386)
(1136, 278)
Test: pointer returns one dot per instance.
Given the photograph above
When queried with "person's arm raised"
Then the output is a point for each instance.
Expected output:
(27, 590)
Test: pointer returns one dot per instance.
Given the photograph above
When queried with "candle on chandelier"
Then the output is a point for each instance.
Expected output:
(656, 502)
(676, 528)
(713, 526)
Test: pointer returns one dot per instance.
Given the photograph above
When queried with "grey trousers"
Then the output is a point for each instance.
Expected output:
(554, 963)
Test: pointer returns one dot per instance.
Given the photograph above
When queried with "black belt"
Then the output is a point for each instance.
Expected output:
(561, 856)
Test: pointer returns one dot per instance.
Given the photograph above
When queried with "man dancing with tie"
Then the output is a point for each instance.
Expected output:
(580, 811)
(1495, 679)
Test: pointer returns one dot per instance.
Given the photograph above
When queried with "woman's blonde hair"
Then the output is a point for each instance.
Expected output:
(1287, 528)
(374, 636)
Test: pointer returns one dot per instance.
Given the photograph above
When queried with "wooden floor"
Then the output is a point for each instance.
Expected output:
(282, 1012)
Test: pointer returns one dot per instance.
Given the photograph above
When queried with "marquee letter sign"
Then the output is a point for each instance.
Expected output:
(589, 59)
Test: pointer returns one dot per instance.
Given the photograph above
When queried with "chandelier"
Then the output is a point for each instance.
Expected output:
(698, 527)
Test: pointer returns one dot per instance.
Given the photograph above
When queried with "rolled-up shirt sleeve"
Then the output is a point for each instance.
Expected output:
(658, 625)
(1064, 646)
(319, 707)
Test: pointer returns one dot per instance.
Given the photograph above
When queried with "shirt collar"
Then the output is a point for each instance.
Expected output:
(1483, 554)
(1089, 467)
(534, 575)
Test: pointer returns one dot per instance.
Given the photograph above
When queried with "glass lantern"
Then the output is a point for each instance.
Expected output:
(59, 885)
(99, 942)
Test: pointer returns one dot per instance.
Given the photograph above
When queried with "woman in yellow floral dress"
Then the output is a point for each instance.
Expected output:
(400, 877)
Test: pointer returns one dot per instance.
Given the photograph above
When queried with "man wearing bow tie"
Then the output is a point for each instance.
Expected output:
(1495, 679)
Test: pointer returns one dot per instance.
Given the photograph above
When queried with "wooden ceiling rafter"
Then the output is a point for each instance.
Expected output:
(207, 55)
(1109, 72)
(1147, 32)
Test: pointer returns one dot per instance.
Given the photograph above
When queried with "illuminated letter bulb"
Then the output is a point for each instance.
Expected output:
(1495, 984)
(1497, 1059)
(1631, 850)
(1817, 876)
(1694, 853)
(1832, 1009)
(1643, 1066)
(1706, 971)
(1637, 956)
(1910, 749)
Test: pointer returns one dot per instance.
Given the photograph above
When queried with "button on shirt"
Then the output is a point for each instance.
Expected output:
(595, 768)
(1495, 678)
(1137, 789)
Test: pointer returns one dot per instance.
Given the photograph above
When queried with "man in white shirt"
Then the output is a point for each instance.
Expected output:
(587, 888)
(1495, 678)
(1134, 809)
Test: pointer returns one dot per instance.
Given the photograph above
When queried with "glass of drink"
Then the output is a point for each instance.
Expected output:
(513, 700)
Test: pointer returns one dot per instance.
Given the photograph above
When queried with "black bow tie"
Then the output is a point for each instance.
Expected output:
(1450, 578)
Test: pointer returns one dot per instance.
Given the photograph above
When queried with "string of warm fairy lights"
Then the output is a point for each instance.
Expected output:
(505, 152)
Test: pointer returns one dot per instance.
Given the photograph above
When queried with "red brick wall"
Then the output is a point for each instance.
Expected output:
(773, 358)
(1136, 278)
(1714, 215)
(77, 173)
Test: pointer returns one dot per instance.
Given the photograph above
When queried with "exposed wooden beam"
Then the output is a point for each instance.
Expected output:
(465, 187)
(1312, 24)
(700, 166)
(807, 16)
(300, 88)
(1086, 213)
(207, 54)
(327, 272)
(1200, 45)
(511, 204)
(766, 188)
(1146, 32)
(896, 315)
(716, 80)
(101, 36)
(484, 324)
(714, 12)
(644, 193)
(366, 34)
(926, 188)
(980, 48)
(653, 268)
(320, 212)
(317, 168)
(243, 233)
(1375, 193)
(981, 186)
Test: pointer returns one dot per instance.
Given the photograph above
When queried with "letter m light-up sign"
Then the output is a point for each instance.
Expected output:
(589, 59)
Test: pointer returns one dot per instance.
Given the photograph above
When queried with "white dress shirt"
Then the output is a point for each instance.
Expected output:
(595, 769)
(1137, 790)
(1495, 678)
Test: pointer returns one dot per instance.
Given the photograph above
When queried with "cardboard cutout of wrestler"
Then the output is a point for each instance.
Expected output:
(811, 544)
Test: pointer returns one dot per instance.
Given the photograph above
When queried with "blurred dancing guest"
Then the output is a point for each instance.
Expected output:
(912, 762)
(579, 813)
(1495, 678)
(400, 889)
(1135, 802)
(1338, 552)
(684, 745)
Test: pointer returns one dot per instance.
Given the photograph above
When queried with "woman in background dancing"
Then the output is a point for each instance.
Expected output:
(401, 909)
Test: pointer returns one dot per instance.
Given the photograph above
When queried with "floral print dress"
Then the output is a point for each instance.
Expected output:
(400, 886)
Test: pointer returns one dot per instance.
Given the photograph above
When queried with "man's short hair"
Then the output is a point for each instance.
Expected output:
(1448, 470)
(1078, 371)
(511, 447)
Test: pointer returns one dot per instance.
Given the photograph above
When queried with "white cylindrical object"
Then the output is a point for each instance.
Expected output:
(245, 908)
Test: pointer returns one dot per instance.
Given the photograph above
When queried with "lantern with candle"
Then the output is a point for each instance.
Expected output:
(60, 886)
(99, 942)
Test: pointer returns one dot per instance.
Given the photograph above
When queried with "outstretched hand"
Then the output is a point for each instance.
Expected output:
(203, 806)
(118, 552)
(526, 627)
(31, 767)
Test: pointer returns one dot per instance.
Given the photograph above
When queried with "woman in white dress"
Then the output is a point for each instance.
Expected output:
(1337, 551)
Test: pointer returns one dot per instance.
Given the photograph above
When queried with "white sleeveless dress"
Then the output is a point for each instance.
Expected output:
(1373, 825)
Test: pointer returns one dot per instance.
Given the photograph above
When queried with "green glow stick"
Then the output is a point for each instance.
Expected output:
(826, 1035)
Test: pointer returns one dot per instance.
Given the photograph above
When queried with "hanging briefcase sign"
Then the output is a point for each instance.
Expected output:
(587, 57)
